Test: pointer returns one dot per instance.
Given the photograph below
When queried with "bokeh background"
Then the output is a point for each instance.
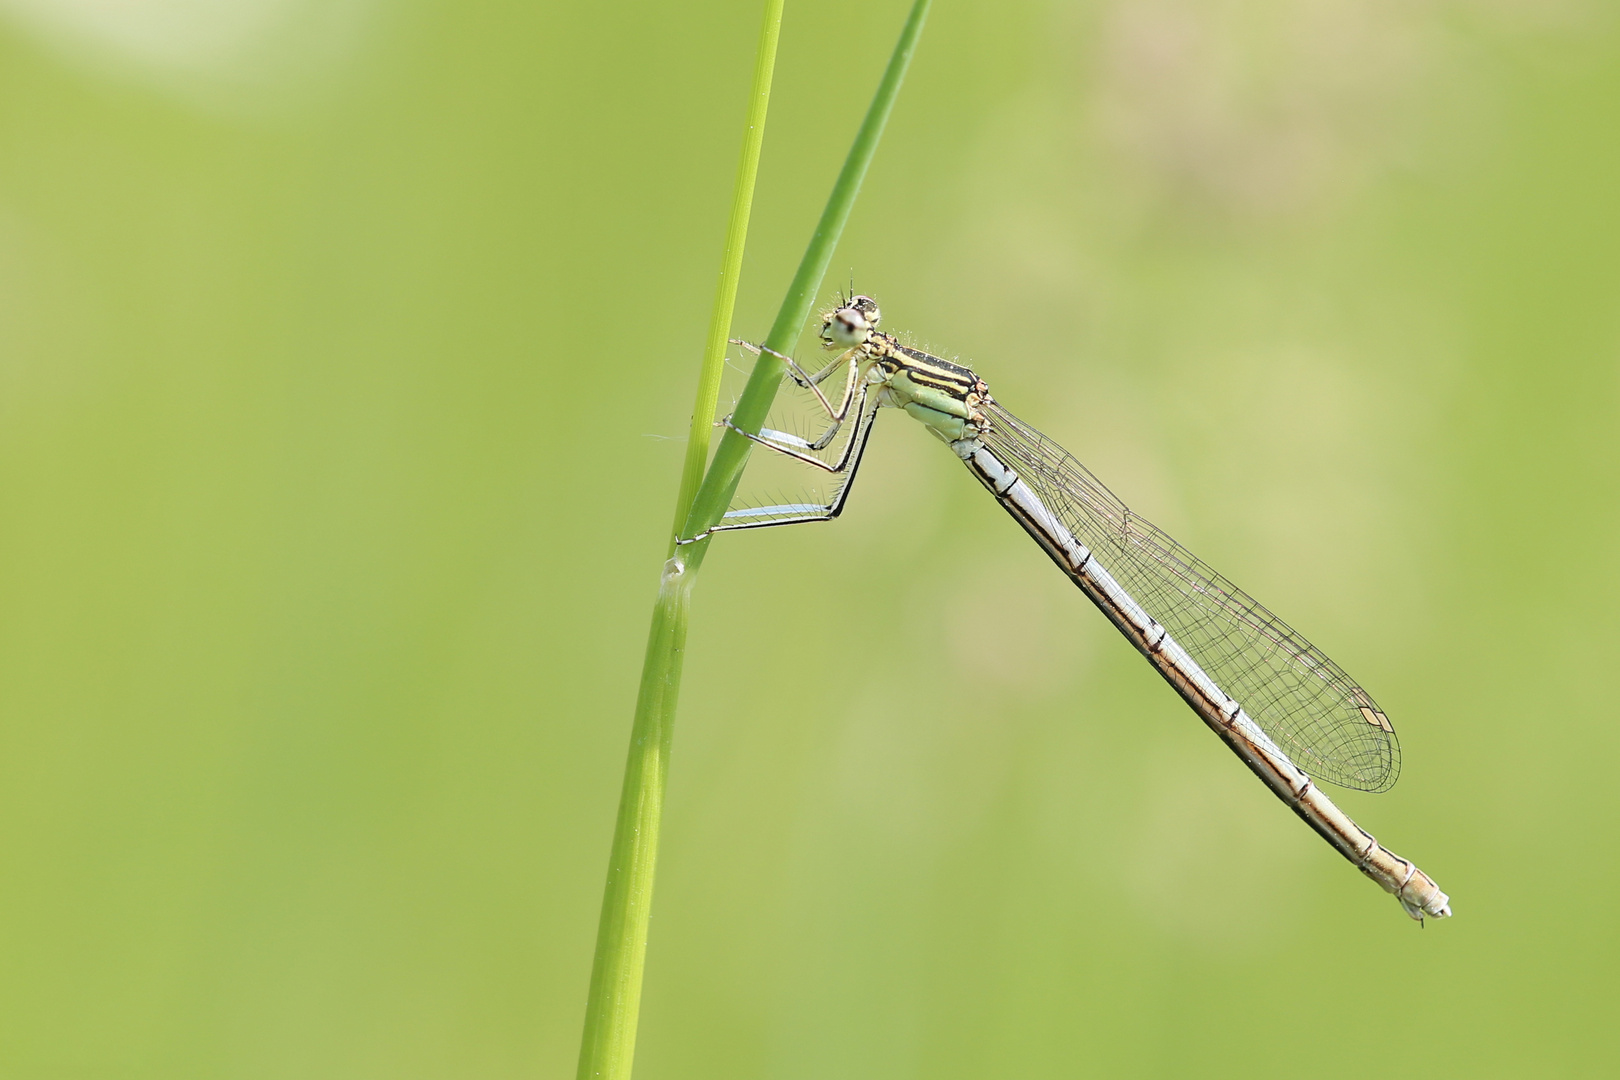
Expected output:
(346, 351)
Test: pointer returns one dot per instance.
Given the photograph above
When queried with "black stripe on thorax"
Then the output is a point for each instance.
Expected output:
(925, 369)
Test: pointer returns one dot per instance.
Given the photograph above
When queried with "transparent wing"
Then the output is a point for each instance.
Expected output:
(1329, 726)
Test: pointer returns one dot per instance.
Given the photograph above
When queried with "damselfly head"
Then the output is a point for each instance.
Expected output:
(850, 323)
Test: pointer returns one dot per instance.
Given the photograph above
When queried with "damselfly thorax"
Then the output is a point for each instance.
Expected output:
(945, 396)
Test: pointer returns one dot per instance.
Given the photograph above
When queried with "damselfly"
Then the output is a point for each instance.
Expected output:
(1285, 709)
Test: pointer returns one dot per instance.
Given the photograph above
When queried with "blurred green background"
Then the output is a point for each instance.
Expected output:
(346, 350)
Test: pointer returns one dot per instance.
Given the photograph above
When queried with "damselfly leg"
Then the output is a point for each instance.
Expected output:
(856, 400)
(812, 383)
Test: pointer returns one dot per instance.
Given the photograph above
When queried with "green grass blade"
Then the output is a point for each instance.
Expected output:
(726, 470)
(613, 1003)
(725, 295)
(612, 1009)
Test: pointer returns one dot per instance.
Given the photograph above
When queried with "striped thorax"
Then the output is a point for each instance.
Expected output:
(947, 398)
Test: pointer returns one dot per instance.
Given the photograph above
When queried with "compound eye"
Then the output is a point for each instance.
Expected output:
(867, 307)
(842, 327)
(851, 323)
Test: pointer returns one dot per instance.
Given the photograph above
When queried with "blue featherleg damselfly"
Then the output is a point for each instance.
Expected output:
(1286, 710)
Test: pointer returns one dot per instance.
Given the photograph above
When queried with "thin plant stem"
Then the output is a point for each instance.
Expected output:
(725, 293)
(720, 483)
(613, 1006)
